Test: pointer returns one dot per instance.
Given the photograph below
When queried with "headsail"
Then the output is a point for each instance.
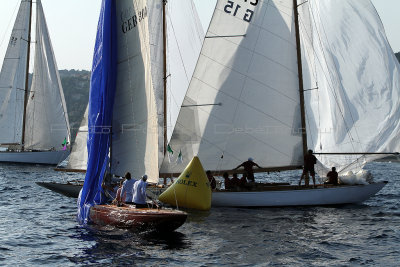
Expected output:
(356, 107)
(78, 157)
(12, 78)
(47, 122)
(243, 99)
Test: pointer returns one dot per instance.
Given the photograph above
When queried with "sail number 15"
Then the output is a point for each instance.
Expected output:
(232, 8)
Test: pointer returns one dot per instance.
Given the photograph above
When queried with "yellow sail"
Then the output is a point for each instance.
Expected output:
(191, 190)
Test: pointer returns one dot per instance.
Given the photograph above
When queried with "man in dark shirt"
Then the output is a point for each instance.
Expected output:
(309, 161)
(211, 179)
(248, 169)
(333, 177)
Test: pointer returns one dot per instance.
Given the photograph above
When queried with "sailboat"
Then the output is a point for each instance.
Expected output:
(256, 93)
(34, 125)
(127, 104)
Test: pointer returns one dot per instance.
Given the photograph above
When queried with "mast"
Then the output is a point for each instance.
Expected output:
(165, 75)
(300, 71)
(26, 95)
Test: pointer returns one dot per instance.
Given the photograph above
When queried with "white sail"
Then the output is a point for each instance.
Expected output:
(155, 20)
(356, 107)
(135, 131)
(243, 100)
(46, 124)
(79, 154)
(12, 79)
(184, 37)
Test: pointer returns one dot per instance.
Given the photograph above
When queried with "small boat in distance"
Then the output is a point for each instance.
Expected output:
(34, 125)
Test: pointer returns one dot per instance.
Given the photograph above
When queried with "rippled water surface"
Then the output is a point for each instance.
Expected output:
(38, 227)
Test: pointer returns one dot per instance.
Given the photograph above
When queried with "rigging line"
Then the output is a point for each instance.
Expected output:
(179, 49)
(314, 69)
(336, 72)
(328, 77)
(9, 23)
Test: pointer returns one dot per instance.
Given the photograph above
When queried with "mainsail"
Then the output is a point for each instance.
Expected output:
(140, 83)
(47, 123)
(243, 100)
(135, 129)
(355, 106)
(12, 79)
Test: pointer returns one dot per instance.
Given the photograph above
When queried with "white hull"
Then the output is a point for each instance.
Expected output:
(297, 197)
(37, 157)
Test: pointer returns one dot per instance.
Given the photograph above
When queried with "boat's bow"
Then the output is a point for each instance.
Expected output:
(129, 217)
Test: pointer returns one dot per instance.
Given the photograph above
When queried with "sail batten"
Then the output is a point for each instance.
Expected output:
(253, 76)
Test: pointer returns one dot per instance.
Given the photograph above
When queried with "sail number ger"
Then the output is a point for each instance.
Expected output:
(130, 21)
(232, 8)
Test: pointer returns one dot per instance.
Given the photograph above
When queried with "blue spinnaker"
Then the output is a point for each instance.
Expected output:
(101, 102)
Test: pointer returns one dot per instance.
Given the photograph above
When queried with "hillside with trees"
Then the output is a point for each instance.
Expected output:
(398, 56)
(76, 84)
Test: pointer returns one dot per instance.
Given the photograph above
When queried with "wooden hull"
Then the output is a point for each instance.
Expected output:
(66, 189)
(34, 157)
(297, 196)
(162, 220)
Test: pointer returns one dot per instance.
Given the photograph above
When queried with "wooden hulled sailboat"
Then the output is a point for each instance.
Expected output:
(137, 113)
(250, 97)
(34, 124)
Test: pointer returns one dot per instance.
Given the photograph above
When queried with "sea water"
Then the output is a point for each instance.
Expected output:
(39, 227)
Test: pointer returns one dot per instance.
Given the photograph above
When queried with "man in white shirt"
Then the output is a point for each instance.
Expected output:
(139, 192)
(127, 188)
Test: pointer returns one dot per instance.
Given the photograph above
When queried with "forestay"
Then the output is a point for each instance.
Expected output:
(47, 123)
(356, 107)
(12, 79)
(243, 100)
(184, 37)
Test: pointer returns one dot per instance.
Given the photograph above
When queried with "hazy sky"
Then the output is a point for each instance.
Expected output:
(72, 25)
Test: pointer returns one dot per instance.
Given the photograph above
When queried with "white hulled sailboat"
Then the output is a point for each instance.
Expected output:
(34, 125)
(247, 97)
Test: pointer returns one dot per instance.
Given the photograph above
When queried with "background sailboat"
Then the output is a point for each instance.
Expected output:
(33, 121)
(246, 97)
